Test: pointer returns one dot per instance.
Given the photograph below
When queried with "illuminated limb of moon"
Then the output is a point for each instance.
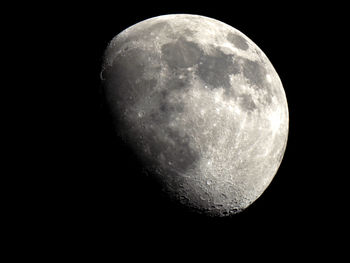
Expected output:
(202, 106)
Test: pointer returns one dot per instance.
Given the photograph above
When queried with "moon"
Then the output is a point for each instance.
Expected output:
(203, 108)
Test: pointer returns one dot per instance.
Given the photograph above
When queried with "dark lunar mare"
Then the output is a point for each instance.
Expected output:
(181, 54)
(215, 69)
(237, 41)
(247, 103)
(123, 79)
(126, 89)
(255, 73)
(144, 102)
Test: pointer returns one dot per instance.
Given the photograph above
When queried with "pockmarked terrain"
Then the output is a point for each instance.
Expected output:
(202, 107)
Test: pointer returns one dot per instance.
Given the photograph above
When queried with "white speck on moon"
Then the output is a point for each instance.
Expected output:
(208, 104)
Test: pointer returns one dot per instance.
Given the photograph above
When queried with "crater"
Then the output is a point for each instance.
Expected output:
(181, 53)
(237, 41)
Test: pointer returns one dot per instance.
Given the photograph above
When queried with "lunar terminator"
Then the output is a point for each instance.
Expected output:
(202, 107)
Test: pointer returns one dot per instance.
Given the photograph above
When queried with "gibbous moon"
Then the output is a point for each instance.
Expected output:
(202, 106)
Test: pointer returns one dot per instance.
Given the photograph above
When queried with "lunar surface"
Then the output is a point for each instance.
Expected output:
(202, 107)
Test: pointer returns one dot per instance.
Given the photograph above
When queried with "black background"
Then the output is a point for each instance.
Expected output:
(95, 198)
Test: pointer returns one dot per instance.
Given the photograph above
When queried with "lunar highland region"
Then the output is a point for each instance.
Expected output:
(203, 108)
